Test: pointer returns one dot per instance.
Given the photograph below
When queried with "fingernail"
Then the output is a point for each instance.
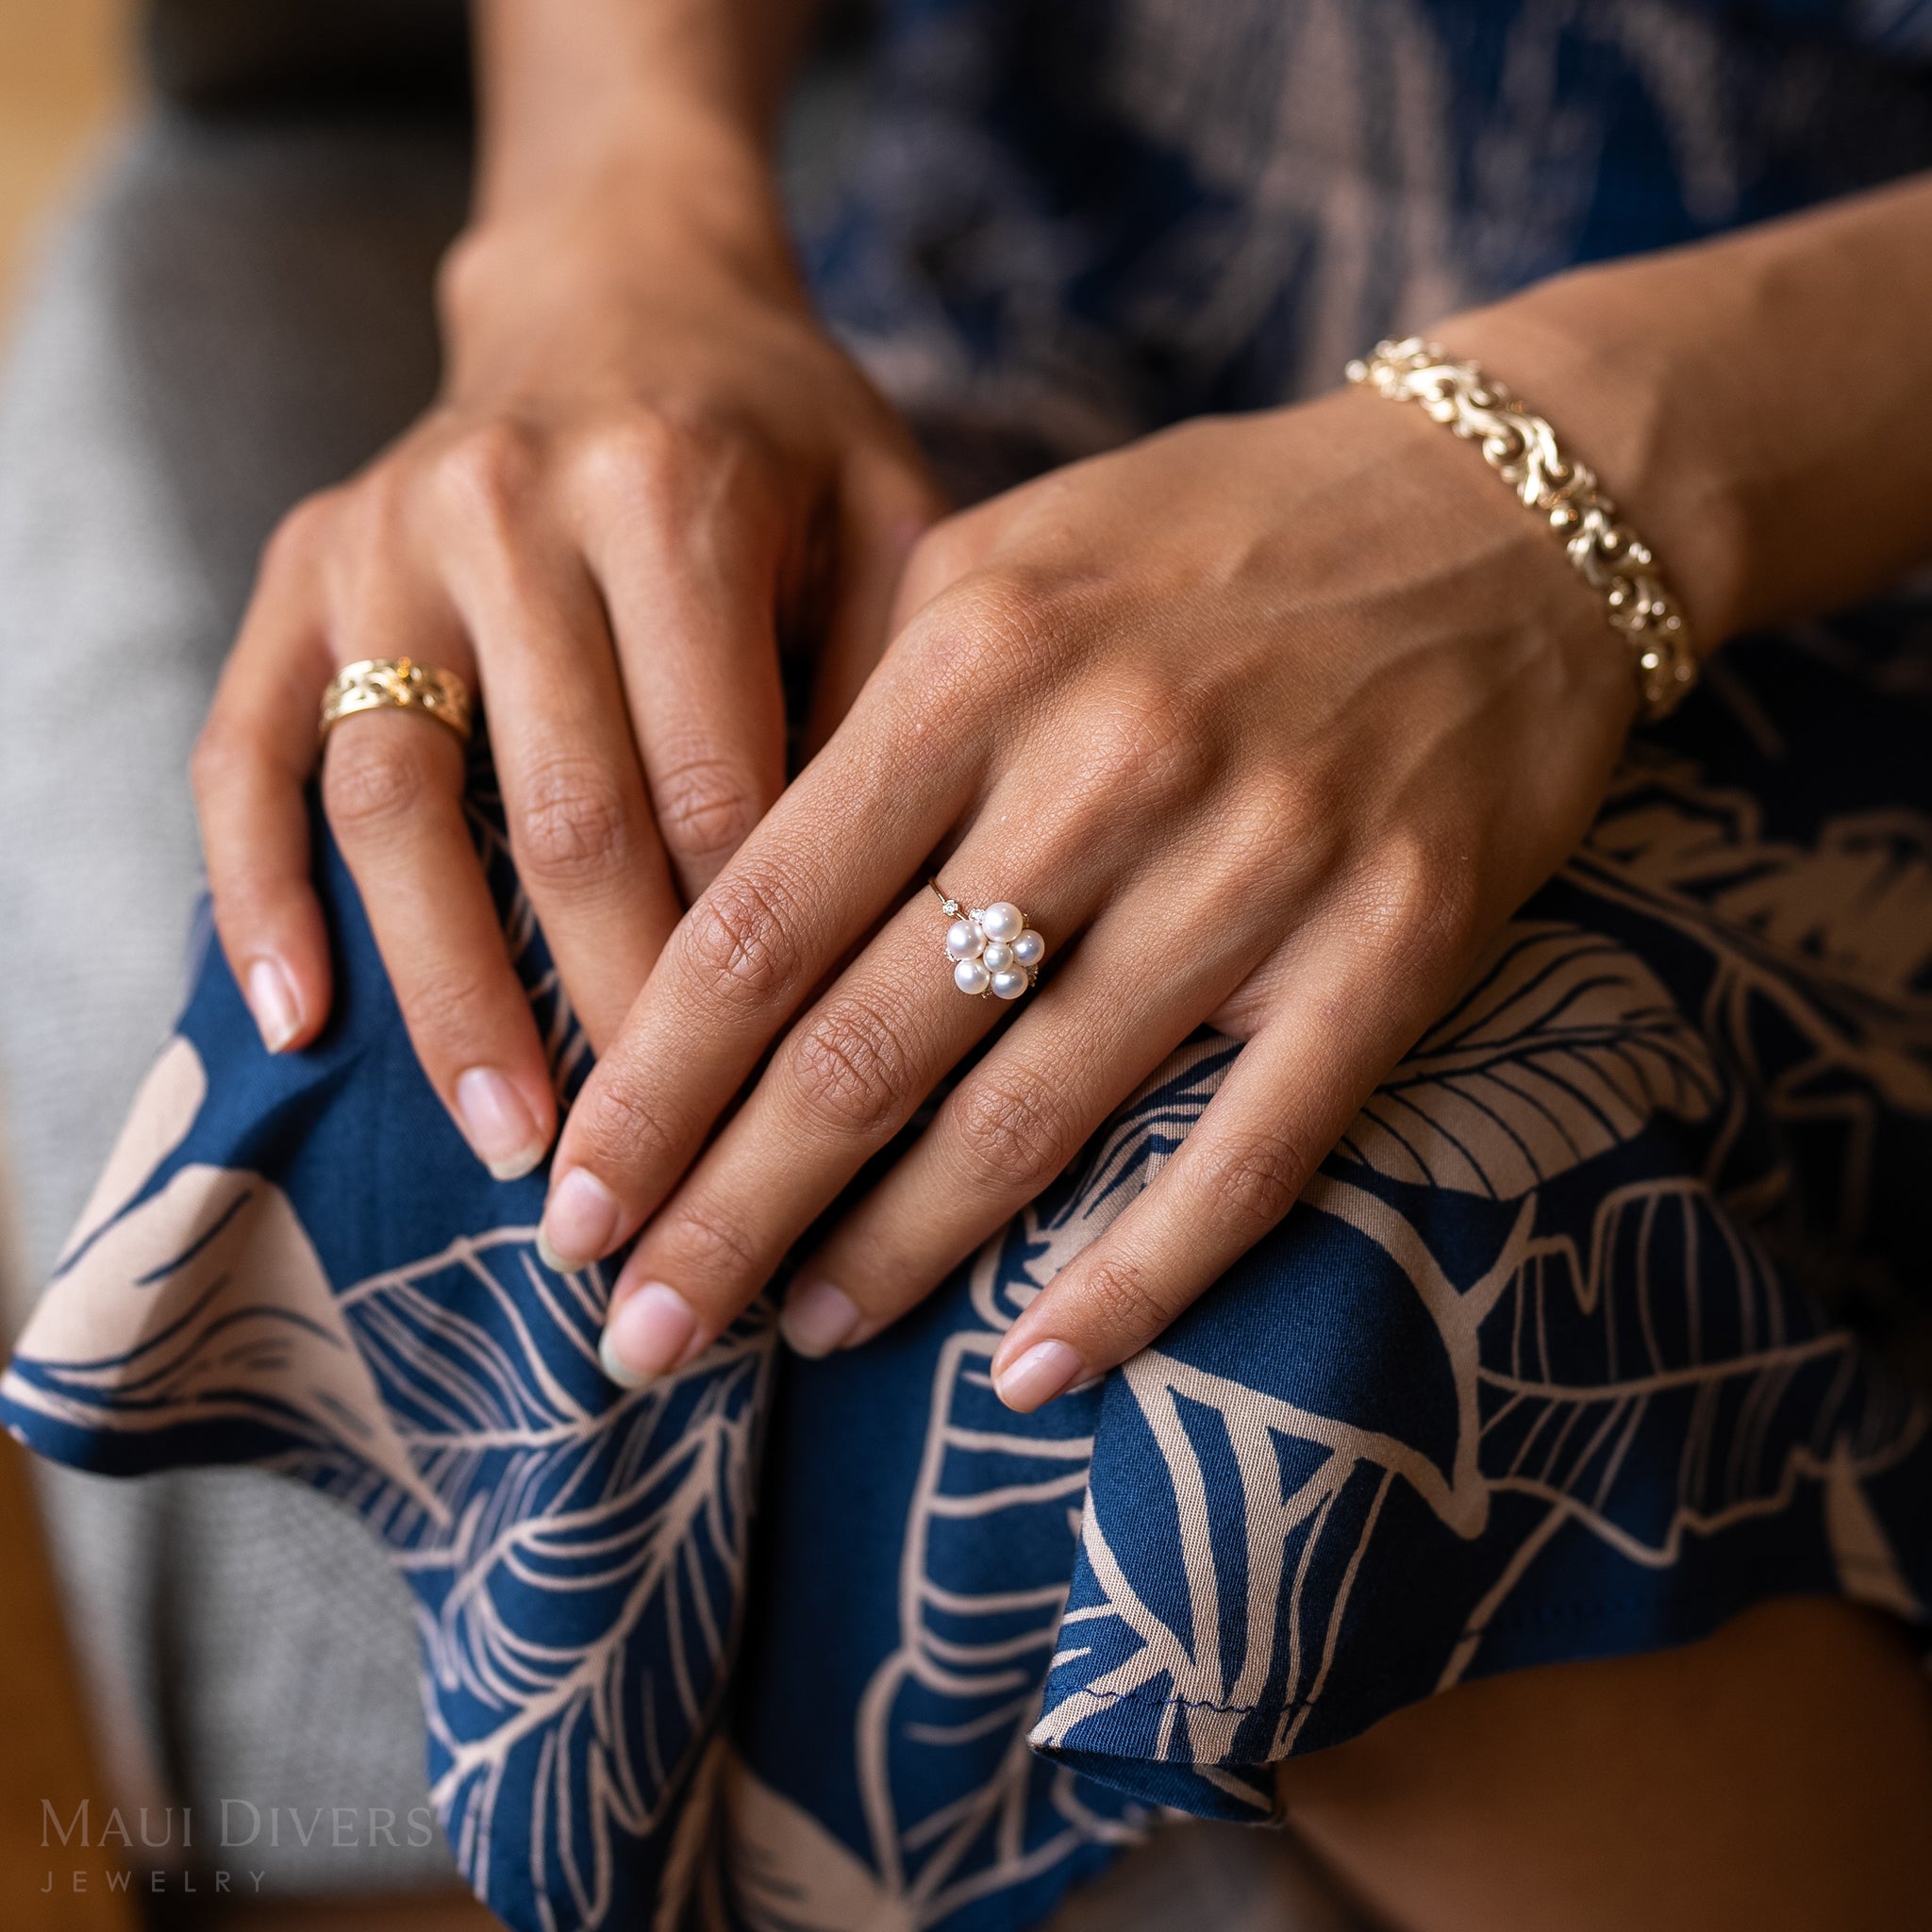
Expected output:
(817, 1318)
(272, 1000)
(497, 1122)
(647, 1336)
(1046, 1369)
(579, 1222)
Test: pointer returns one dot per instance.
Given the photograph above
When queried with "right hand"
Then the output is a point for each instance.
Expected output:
(647, 462)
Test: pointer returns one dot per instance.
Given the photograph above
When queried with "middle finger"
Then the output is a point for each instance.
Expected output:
(1009, 1129)
(580, 826)
(825, 865)
(841, 1084)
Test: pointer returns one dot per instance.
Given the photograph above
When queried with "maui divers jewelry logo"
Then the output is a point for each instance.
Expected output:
(181, 1849)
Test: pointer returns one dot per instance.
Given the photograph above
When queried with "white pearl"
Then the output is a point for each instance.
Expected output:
(998, 956)
(1002, 921)
(1029, 949)
(1010, 984)
(963, 940)
(969, 975)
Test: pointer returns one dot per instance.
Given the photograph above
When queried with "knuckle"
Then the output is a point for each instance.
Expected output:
(706, 808)
(1421, 895)
(219, 758)
(850, 1069)
(573, 822)
(297, 539)
(941, 555)
(667, 465)
(640, 446)
(711, 1245)
(373, 779)
(1281, 831)
(1251, 1179)
(486, 470)
(618, 1123)
(1146, 739)
(993, 631)
(444, 1003)
(1125, 1302)
(377, 510)
(1013, 1129)
(743, 936)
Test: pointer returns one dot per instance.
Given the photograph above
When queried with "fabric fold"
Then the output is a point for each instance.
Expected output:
(1553, 1359)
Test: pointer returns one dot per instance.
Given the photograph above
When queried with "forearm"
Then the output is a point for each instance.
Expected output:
(623, 165)
(1760, 405)
(600, 87)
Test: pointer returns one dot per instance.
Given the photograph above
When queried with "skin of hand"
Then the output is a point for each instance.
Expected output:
(1270, 721)
(1267, 722)
(648, 464)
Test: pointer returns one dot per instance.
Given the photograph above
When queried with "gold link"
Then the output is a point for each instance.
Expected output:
(1522, 448)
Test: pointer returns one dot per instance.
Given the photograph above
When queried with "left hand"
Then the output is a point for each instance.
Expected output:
(1268, 721)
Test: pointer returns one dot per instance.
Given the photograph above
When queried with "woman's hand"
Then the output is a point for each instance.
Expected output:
(648, 463)
(1265, 721)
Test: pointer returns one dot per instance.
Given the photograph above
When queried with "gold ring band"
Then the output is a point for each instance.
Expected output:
(400, 684)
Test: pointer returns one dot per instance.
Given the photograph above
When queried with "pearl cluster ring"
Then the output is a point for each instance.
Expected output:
(991, 948)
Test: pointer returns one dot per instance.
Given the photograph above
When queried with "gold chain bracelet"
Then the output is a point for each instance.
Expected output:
(1607, 554)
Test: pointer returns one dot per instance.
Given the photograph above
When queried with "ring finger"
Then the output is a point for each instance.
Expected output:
(1012, 1124)
(844, 1080)
(580, 826)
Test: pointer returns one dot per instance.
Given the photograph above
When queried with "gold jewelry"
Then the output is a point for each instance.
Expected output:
(990, 949)
(1608, 554)
(375, 684)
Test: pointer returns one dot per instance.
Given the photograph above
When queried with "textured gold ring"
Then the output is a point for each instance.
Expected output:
(399, 684)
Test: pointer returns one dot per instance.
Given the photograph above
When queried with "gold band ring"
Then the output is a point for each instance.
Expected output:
(401, 684)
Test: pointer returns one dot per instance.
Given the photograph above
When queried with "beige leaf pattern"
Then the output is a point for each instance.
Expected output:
(1565, 1045)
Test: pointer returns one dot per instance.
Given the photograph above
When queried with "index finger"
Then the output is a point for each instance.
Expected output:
(833, 853)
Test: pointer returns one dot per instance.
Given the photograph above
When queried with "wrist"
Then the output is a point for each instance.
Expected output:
(644, 144)
(652, 225)
(663, 91)
(1585, 351)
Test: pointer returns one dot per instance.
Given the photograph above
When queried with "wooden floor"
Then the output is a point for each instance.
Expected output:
(64, 78)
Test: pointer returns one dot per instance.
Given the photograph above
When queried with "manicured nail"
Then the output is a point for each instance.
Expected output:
(499, 1125)
(1046, 1369)
(272, 1000)
(818, 1318)
(648, 1334)
(579, 1222)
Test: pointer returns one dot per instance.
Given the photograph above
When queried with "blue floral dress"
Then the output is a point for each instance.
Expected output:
(1601, 1323)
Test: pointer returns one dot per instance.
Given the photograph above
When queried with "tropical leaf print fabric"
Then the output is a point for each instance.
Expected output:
(1544, 1365)
(1583, 1339)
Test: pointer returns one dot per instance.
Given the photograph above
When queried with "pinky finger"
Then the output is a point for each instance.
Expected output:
(251, 766)
(1288, 1098)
